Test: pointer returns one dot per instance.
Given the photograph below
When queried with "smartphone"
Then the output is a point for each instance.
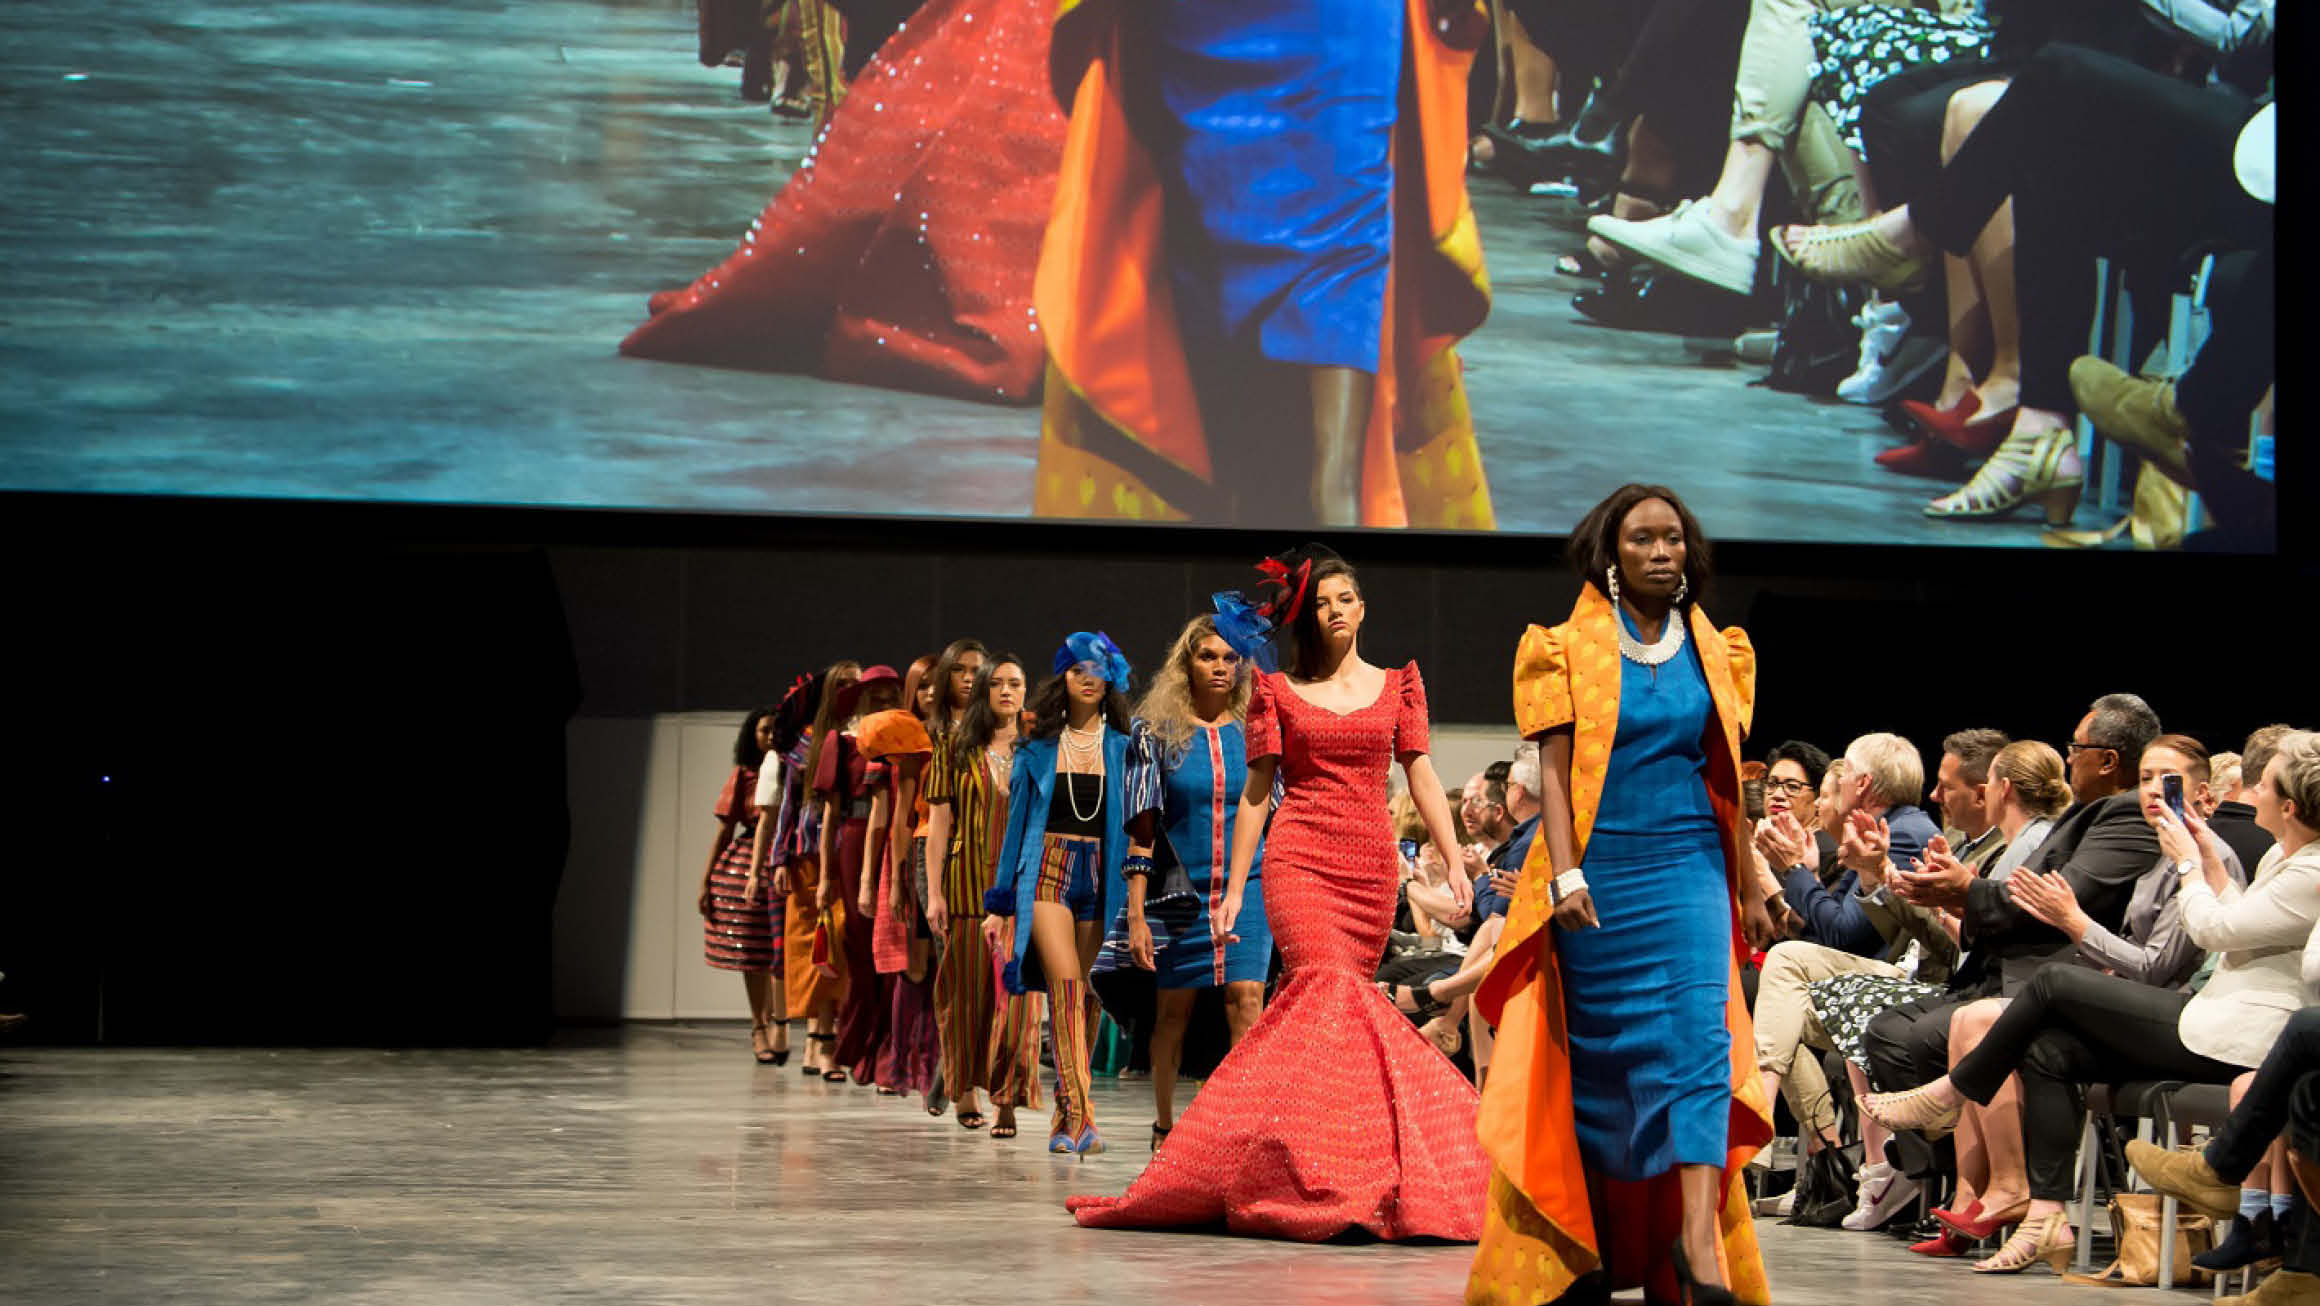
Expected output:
(2171, 792)
(1410, 851)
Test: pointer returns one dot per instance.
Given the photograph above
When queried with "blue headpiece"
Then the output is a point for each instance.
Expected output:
(1247, 629)
(1094, 650)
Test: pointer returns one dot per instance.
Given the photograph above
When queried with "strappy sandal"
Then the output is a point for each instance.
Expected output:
(1851, 251)
(2035, 1239)
(1160, 1135)
(1004, 1127)
(2043, 466)
(809, 1069)
(760, 1045)
(970, 1120)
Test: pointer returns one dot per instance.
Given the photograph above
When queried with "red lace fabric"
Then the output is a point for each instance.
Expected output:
(901, 253)
(1333, 1113)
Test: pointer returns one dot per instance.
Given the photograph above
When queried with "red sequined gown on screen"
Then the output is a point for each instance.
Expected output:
(901, 253)
(1333, 1112)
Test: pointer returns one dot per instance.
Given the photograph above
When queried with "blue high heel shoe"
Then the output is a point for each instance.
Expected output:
(1088, 1142)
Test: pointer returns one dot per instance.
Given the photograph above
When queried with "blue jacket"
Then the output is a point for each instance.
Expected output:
(1016, 878)
(1834, 916)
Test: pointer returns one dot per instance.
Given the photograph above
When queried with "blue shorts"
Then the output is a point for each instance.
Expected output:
(1068, 867)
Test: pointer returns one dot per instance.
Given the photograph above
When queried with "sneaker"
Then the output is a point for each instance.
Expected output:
(1884, 1192)
(1756, 347)
(1688, 241)
(1778, 1208)
(1891, 358)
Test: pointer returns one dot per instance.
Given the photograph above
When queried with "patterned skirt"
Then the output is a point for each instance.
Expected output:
(742, 933)
(1847, 1003)
(1856, 47)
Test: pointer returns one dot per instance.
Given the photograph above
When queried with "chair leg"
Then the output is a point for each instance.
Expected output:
(2089, 1162)
(2167, 1208)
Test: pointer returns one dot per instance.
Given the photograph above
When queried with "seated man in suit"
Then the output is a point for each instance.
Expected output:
(2101, 846)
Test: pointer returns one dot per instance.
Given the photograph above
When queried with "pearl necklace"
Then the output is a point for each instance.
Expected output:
(1671, 640)
(1090, 751)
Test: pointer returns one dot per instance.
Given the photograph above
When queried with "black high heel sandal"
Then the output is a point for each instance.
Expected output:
(1692, 1291)
(1160, 1135)
(810, 1069)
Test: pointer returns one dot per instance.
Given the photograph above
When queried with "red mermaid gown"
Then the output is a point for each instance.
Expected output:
(1333, 1112)
(901, 253)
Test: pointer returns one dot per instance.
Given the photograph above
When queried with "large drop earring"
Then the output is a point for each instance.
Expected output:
(1683, 587)
(1611, 581)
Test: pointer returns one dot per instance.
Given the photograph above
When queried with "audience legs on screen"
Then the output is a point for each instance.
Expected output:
(2196, 429)
(1671, 91)
(1714, 240)
(2102, 159)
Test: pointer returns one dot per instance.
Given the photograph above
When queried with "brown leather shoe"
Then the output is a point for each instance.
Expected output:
(2285, 1288)
(2136, 411)
(2185, 1176)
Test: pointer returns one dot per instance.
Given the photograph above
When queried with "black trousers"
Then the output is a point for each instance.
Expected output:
(2069, 1027)
(2264, 1112)
(2103, 159)
(1902, 119)
(2222, 387)
(1908, 1045)
(1679, 75)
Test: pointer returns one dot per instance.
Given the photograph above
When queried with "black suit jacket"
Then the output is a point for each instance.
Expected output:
(2235, 824)
(2101, 848)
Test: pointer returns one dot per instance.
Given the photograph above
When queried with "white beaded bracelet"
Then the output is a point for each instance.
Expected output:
(1568, 883)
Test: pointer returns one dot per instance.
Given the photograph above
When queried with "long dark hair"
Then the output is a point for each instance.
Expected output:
(945, 663)
(978, 725)
(746, 753)
(1051, 707)
(1304, 625)
(1594, 547)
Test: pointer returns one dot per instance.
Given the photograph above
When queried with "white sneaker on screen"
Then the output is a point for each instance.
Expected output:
(1890, 357)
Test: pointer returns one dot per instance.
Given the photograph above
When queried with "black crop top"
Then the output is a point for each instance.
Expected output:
(1088, 792)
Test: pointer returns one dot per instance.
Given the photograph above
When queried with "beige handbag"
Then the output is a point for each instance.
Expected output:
(2159, 519)
(2135, 1226)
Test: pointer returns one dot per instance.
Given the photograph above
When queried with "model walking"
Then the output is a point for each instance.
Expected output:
(1059, 866)
(990, 1037)
(1190, 732)
(741, 925)
(845, 783)
(1623, 1098)
(1333, 1112)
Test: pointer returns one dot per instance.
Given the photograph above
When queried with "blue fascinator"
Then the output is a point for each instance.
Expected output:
(1245, 627)
(1094, 650)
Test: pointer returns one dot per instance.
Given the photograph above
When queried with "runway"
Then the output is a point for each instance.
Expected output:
(653, 1164)
(368, 249)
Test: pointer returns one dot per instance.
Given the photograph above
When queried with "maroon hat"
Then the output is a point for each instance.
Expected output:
(881, 674)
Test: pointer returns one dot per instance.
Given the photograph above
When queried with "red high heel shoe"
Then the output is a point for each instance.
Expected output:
(1932, 459)
(1963, 425)
(1976, 1224)
(1947, 1244)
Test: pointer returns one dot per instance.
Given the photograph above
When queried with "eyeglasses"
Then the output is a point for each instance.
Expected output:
(2074, 748)
(1790, 786)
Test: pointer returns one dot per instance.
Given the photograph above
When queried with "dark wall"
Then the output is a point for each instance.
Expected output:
(295, 772)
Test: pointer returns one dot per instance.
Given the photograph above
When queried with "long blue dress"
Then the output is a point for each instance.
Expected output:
(1645, 991)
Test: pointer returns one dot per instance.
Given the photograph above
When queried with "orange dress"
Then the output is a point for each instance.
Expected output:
(1120, 433)
(1548, 1221)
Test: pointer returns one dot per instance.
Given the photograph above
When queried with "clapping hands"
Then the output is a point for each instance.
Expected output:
(1785, 843)
(1864, 845)
(2047, 896)
(1938, 879)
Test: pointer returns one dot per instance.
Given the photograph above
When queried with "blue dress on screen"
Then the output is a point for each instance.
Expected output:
(1644, 992)
(1279, 135)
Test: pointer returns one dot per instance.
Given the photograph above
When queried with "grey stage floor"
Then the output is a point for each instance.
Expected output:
(379, 250)
(654, 1165)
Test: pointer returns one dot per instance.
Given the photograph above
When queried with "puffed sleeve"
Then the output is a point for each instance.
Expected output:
(830, 769)
(1143, 783)
(740, 787)
(1264, 724)
(941, 783)
(1542, 683)
(1412, 731)
(1742, 653)
(896, 733)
